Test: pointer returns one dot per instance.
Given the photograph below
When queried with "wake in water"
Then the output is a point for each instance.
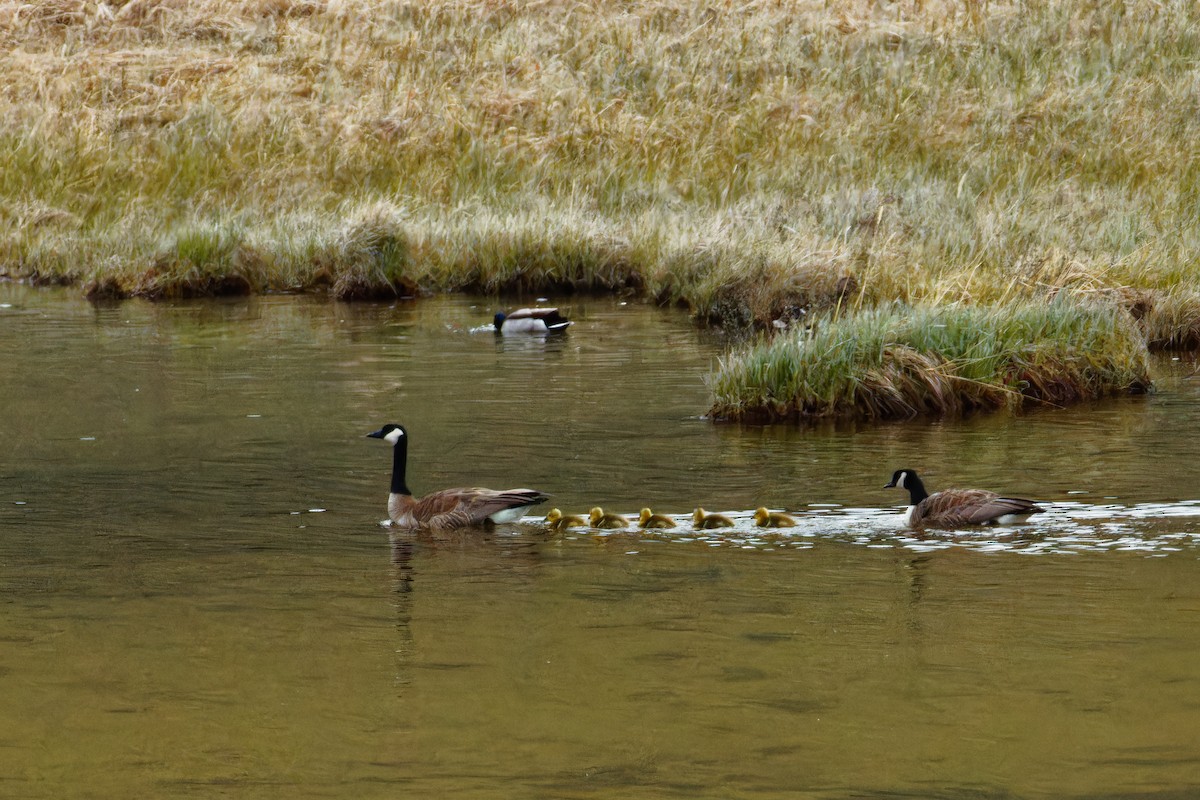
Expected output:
(1155, 529)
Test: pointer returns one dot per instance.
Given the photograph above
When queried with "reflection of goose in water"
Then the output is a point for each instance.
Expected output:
(559, 521)
(772, 519)
(951, 508)
(530, 320)
(448, 508)
(428, 569)
(603, 519)
(405, 647)
(702, 519)
(648, 519)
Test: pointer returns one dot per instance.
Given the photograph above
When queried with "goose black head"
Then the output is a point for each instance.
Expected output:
(899, 477)
(390, 433)
(907, 479)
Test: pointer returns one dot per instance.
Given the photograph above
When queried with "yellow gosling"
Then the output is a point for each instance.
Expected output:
(602, 519)
(772, 519)
(701, 519)
(648, 519)
(559, 521)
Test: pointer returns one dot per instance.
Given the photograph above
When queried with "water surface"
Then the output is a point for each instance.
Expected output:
(197, 599)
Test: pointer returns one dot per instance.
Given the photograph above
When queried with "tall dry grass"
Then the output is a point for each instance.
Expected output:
(747, 159)
(754, 161)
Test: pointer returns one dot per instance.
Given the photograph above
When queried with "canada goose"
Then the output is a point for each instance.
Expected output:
(954, 507)
(559, 521)
(772, 519)
(449, 508)
(701, 519)
(602, 519)
(531, 320)
(648, 519)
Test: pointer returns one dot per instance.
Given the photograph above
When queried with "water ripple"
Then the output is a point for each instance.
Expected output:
(1151, 529)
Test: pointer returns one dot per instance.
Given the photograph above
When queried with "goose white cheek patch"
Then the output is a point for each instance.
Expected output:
(394, 436)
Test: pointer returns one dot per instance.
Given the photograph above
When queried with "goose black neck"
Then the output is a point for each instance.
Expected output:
(916, 489)
(399, 464)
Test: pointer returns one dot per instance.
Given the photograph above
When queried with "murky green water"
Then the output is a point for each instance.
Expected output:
(196, 599)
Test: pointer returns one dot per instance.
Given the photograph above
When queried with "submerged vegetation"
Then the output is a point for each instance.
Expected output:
(899, 362)
(755, 162)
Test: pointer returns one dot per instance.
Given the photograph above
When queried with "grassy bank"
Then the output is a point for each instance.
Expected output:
(750, 161)
(898, 362)
(743, 160)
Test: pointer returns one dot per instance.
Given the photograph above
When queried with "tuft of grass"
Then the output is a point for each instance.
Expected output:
(203, 261)
(536, 250)
(1171, 319)
(370, 257)
(898, 362)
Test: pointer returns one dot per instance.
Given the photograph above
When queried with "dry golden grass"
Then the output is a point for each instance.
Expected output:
(750, 160)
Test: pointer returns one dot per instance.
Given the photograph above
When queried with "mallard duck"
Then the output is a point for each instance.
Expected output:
(559, 521)
(648, 519)
(531, 320)
(449, 508)
(600, 518)
(772, 519)
(701, 519)
(952, 508)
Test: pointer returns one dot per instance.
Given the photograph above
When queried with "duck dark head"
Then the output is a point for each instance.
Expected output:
(390, 433)
(498, 320)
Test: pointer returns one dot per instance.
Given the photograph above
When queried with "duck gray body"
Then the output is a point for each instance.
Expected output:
(953, 508)
(531, 320)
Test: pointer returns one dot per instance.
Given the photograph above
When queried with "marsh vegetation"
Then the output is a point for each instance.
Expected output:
(754, 163)
(898, 362)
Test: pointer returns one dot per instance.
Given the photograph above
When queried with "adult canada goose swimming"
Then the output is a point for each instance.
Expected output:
(602, 519)
(772, 519)
(951, 508)
(559, 521)
(449, 508)
(702, 519)
(531, 320)
(648, 519)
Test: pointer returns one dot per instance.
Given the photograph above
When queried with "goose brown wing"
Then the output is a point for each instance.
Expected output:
(461, 508)
(1001, 506)
(968, 507)
(998, 507)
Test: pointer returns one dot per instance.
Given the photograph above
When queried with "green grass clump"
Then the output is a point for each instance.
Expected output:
(897, 362)
(369, 258)
(202, 261)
